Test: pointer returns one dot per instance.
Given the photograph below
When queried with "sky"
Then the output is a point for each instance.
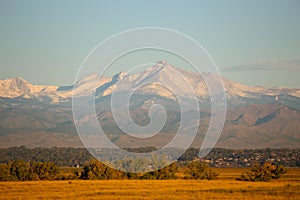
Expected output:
(252, 42)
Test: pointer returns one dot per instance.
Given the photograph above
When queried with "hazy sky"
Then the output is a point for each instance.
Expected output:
(253, 42)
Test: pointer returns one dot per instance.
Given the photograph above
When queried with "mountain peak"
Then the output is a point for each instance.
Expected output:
(16, 82)
(161, 66)
(161, 62)
(14, 87)
(18, 78)
(119, 76)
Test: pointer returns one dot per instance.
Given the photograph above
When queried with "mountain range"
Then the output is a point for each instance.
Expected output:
(41, 115)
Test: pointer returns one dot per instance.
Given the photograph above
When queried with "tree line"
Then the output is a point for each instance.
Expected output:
(63, 156)
(24, 171)
(192, 170)
(96, 170)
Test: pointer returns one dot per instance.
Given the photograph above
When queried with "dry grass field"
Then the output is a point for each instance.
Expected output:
(226, 187)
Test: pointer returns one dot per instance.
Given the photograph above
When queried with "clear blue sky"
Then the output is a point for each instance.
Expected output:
(46, 41)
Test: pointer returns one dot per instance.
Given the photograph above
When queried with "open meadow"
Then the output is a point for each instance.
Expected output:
(225, 187)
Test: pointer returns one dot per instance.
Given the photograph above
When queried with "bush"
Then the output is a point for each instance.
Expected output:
(166, 173)
(265, 172)
(199, 171)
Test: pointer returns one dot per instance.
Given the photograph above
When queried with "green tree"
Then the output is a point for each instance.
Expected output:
(43, 170)
(19, 170)
(199, 170)
(95, 170)
(23, 171)
(5, 172)
(265, 172)
(133, 164)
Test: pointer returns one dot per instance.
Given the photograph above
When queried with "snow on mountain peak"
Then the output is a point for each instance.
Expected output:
(161, 72)
(162, 62)
(18, 87)
(14, 87)
(119, 76)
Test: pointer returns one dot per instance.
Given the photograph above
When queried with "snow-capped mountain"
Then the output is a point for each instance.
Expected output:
(166, 75)
(18, 87)
(40, 115)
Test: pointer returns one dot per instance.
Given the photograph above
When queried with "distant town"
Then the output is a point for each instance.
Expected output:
(218, 157)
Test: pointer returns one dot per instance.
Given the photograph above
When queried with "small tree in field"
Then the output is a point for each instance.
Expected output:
(265, 172)
(5, 172)
(95, 170)
(19, 170)
(43, 170)
(199, 170)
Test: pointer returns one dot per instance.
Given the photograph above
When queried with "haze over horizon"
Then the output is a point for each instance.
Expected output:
(252, 42)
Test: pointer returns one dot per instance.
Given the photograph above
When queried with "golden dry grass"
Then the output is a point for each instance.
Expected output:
(224, 188)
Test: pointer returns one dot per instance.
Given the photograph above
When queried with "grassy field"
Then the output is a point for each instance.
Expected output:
(226, 187)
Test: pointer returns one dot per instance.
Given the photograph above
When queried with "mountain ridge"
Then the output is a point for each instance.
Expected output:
(161, 71)
(40, 115)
